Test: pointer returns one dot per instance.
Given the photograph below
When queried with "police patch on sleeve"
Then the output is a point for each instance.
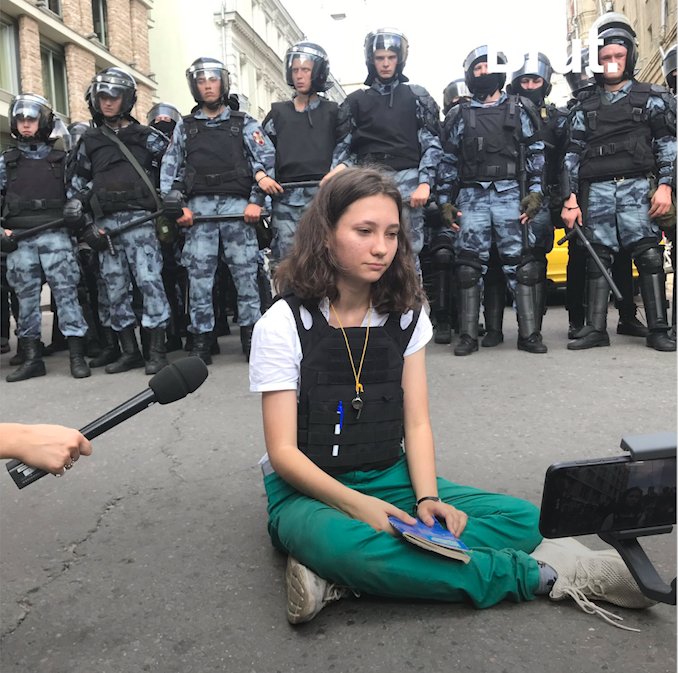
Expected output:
(258, 137)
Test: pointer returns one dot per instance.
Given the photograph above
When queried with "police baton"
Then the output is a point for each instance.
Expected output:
(576, 231)
(10, 243)
(110, 235)
(197, 219)
(301, 183)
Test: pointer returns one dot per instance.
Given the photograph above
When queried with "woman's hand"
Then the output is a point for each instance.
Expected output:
(375, 512)
(455, 520)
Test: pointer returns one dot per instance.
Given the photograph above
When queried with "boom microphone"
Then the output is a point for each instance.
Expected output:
(170, 384)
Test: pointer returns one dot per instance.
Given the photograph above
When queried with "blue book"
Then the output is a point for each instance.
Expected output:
(436, 538)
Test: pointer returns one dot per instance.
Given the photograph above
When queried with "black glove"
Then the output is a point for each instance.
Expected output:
(8, 243)
(91, 235)
(74, 214)
(531, 204)
(173, 204)
(448, 214)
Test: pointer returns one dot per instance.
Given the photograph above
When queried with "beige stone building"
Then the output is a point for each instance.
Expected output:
(55, 47)
(249, 36)
(653, 20)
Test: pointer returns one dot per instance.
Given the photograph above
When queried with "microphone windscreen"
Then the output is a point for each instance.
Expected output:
(178, 379)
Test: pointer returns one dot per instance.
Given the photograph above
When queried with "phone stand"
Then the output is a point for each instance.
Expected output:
(645, 447)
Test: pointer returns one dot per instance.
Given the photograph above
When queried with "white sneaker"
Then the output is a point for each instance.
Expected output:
(307, 593)
(584, 574)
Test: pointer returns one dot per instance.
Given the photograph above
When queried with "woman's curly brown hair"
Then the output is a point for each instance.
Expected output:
(311, 268)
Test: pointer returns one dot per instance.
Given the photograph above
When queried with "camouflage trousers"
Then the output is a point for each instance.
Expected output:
(617, 213)
(137, 257)
(284, 222)
(489, 216)
(53, 253)
(240, 251)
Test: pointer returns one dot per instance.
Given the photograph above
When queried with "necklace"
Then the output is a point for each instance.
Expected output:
(356, 402)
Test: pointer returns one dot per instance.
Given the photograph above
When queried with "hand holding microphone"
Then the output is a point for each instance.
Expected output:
(170, 384)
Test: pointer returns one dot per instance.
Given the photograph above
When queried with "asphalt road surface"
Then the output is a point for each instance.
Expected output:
(153, 555)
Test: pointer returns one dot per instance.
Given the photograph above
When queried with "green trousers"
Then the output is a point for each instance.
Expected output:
(501, 531)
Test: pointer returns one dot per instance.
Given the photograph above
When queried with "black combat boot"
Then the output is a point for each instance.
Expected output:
(32, 365)
(19, 357)
(628, 324)
(157, 351)
(594, 333)
(130, 357)
(443, 334)
(494, 300)
(653, 291)
(76, 350)
(527, 308)
(246, 339)
(201, 345)
(469, 307)
(110, 351)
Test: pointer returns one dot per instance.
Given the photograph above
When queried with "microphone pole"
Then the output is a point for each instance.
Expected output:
(171, 383)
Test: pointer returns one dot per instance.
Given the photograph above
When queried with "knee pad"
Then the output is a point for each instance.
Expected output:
(468, 269)
(650, 260)
(605, 254)
(530, 272)
(442, 258)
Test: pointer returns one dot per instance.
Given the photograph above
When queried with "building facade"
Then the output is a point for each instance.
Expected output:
(653, 20)
(55, 47)
(249, 36)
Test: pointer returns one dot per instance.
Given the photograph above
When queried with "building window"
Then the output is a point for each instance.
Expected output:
(53, 5)
(9, 62)
(54, 78)
(100, 22)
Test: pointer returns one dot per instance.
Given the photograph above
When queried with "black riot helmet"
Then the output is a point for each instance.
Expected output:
(164, 117)
(113, 82)
(581, 78)
(385, 38)
(615, 28)
(208, 67)
(480, 86)
(76, 130)
(309, 51)
(669, 68)
(455, 90)
(536, 65)
(31, 106)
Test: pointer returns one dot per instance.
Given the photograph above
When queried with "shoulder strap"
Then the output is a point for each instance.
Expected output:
(133, 162)
(402, 336)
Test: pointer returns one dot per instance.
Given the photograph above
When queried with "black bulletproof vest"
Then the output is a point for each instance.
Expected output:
(215, 157)
(489, 149)
(372, 441)
(304, 140)
(554, 141)
(618, 136)
(36, 191)
(386, 134)
(116, 183)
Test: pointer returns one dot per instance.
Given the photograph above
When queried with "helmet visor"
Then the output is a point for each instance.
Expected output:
(24, 109)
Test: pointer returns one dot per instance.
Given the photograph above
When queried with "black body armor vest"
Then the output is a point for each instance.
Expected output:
(372, 441)
(618, 136)
(489, 148)
(35, 192)
(116, 183)
(215, 157)
(386, 134)
(304, 140)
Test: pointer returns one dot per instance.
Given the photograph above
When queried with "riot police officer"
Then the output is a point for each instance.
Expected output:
(454, 93)
(112, 182)
(394, 125)
(222, 162)
(304, 131)
(478, 184)
(622, 135)
(32, 181)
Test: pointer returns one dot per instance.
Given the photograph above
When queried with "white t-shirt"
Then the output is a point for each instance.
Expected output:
(275, 360)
